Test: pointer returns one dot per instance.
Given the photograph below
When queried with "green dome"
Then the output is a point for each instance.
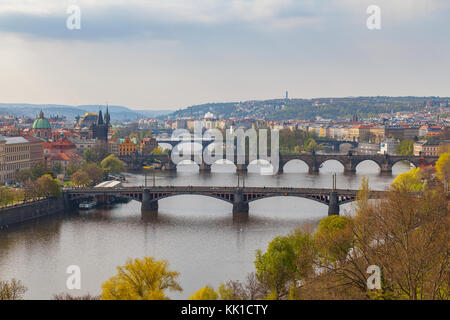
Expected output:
(41, 122)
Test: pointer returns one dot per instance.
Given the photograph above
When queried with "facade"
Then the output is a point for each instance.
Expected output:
(127, 147)
(15, 157)
(431, 148)
(61, 152)
(389, 146)
(82, 144)
(36, 151)
(148, 145)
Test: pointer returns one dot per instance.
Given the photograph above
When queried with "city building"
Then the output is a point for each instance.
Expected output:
(127, 146)
(15, 156)
(389, 146)
(41, 127)
(148, 145)
(61, 152)
(100, 129)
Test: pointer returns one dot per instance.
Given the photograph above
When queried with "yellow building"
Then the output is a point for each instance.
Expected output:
(127, 147)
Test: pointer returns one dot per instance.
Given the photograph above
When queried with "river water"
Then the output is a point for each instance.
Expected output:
(195, 234)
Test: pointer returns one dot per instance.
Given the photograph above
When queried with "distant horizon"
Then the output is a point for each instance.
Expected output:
(156, 109)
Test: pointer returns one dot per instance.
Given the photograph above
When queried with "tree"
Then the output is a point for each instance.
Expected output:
(334, 237)
(287, 260)
(405, 148)
(97, 153)
(409, 181)
(443, 167)
(73, 166)
(81, 178)
(141, 279)
(94, 171)
(250, 289)
(67, 296)
(57, 168)
(49, 187)
(24, 175)
(12, 290)
(112, 164)
(159, 151)
(205, 293)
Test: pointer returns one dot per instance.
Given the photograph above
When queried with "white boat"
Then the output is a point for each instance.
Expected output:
(88, 204)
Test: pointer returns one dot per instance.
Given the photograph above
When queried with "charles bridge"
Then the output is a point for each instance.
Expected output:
(239, 197)
(314, 161)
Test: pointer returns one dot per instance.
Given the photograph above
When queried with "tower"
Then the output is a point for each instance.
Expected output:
(100, 129)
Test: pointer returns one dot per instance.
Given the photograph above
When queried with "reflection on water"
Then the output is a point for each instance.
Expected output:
(196, 234)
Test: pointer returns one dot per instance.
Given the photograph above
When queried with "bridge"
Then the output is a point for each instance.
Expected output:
(239, 197)
(314, 161)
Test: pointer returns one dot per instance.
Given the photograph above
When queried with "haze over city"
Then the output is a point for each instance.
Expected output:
(171, 54)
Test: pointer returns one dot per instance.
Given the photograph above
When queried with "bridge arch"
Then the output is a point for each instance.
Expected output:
(296, 166)
(187, 166)
(324, 168)
(261, 166)
(374, 165)
(223, 166)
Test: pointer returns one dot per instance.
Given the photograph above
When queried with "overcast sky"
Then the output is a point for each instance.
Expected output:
(169, 54)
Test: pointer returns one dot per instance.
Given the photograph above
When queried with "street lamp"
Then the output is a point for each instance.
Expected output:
(145, 172)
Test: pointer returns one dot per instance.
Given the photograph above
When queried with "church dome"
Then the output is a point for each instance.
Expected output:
(41, 122)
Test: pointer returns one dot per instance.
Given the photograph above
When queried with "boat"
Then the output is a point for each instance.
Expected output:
(88, 204)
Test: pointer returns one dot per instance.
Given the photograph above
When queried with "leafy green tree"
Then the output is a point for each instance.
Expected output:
(205, 293)
(141, 279)
(94, 172)
(405, 148)
(49, 187)
(81, 178)
(159, 151)
(443, 167)
(72, 167)
(287, 260)
(96, 154)
(334, 237)
(409, 181)
(112, 164)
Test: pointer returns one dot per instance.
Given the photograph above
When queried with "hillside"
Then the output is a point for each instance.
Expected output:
(118, 113)
(328, 108)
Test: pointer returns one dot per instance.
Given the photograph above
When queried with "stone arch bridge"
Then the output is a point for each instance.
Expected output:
(314, 161)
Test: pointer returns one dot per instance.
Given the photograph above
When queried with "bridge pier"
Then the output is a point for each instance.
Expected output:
(314, 168)
(148, 204)
(333, 205)
(241, 168)
(349, 168)
(386, 168)
(240, 207)
(203, 167)
(170, 166)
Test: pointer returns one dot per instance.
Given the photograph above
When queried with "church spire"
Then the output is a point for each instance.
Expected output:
(100, 117)
(107, 118)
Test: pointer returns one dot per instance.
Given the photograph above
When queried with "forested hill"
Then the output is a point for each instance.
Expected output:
(328, 108)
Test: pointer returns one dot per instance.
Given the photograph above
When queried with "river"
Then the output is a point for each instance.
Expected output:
(195, 234)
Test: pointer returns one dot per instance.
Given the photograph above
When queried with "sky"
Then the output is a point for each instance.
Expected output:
(170, 54)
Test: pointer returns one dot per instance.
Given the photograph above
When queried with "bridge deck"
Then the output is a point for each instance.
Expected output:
(214, 189)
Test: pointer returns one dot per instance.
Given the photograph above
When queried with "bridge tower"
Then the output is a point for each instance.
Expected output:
(333, 204)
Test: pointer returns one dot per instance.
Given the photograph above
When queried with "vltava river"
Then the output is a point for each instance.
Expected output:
(195, 234)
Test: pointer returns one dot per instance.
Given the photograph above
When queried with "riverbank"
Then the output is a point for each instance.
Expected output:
(29, 211)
